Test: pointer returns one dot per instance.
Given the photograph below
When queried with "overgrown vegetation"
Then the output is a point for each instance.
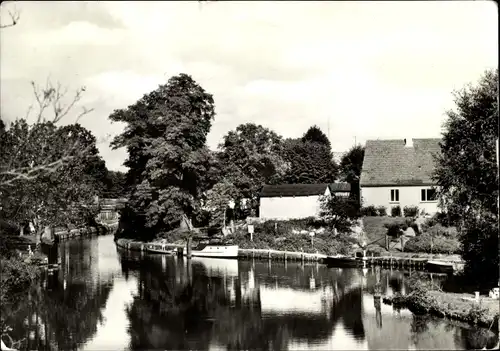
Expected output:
(16, 276)
(374, 211)
(382, 211)
(467, 175)
(431, 237)
(427, 298)
(287, 236)
(369, 211)
(436, 244)
(396, 211)
(410, 211)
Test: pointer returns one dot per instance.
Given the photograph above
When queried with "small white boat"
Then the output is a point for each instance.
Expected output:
(437, 266)
(160, 248)
(207, 248)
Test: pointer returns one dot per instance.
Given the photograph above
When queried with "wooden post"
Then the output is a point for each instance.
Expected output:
(387, 242)
(188, 248)
(402, 244)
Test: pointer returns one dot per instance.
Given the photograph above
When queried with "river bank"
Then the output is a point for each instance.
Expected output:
(461, 307)
(86, 231)
(277, 255)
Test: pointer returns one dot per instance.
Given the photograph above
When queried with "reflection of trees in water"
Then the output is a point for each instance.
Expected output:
(57, 319)
(419, 324)
(174, 312)
(479, 338)
(349, 309)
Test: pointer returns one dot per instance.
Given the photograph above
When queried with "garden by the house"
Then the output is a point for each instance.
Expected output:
(402, 233)
(409, 231)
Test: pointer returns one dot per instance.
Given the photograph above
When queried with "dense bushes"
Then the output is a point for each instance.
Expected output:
(15, 276)
(410, 211)
(396, 211)
(480, 250)
(397, 226)
(382, 211)
(429, 243)
(369, 211)
(325, 243)
(374, 211)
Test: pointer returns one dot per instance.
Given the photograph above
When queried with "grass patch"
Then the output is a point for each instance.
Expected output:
(293, 235)
(376, 229)
(425, 299)
(324, 243)
(433, 244)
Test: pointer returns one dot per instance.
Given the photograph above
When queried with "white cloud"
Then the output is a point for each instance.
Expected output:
(374, 69)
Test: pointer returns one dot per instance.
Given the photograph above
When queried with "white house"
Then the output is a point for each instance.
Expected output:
(294, 201)
(399, 172)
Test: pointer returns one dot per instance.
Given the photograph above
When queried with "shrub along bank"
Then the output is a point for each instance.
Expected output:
(430, 236)
(291, 235)
(325, 243)
(462, 307)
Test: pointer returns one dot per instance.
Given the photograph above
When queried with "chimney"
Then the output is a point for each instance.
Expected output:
(408, 142)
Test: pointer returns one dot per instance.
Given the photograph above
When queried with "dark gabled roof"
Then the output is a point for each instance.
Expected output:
(340, 187)
(390, 162)
(293, 190)
(303, 189)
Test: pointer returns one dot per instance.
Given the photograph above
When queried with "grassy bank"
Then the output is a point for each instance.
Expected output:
(433, 238)
(461, 307)
(294, 236)
(322, 243)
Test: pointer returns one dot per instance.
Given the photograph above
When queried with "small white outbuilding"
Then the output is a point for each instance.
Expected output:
(295, 201)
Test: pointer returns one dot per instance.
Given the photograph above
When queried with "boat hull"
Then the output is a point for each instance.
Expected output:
(343, 262)
(439, 267)
(159, 249)
(214, 251)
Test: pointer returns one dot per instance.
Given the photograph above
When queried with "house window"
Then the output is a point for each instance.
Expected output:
(428, 195)
(394, 195)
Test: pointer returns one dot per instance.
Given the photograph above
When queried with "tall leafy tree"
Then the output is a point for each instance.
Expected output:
(467, 174)
(65, 195)
(115, 184)
(168, 159)
(350, 168)
(315, 135)
(251, 157)
(308, 162)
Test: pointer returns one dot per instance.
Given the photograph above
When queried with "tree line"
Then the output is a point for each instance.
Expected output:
(174, 175)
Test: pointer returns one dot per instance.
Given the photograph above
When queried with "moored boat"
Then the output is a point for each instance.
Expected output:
(439, 267)
(343, 261)
(214, 249)
(160, 248)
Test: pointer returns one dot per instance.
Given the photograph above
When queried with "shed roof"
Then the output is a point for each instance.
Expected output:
(302, 189)
(293, 190)
(340, 187)
(390, 162)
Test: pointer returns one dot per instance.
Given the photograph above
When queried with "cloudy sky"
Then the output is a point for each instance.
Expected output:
(375, 70)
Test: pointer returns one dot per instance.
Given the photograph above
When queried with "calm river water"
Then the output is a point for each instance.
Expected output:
(104, 299)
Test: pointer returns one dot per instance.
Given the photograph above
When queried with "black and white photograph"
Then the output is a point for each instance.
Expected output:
(249, 175)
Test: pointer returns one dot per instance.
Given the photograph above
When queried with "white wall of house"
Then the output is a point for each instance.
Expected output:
(408, 196)
(290, 207)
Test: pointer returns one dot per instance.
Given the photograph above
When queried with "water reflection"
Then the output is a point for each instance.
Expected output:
(104, 299)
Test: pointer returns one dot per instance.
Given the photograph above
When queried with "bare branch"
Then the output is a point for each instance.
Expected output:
(53, 96)
(14, 15)
(30, 173)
